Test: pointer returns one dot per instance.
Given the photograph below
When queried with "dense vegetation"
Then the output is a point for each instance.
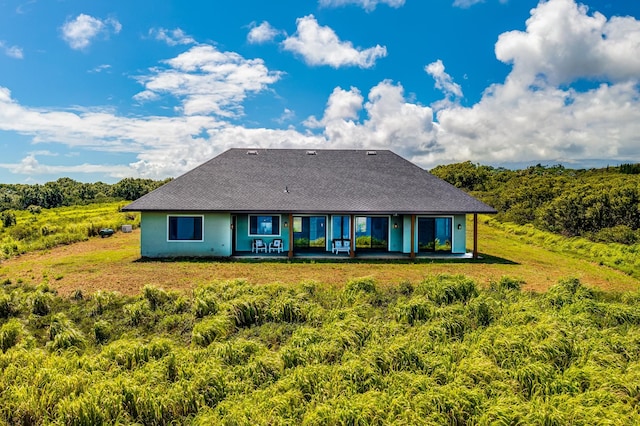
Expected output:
(35, 228)
(599, 204)
(68, 192)
(441, 351)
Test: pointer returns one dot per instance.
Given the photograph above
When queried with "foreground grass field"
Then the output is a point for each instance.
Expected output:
(112, 264)
(437, 352)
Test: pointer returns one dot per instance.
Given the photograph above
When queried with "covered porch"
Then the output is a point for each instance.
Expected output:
(341, 235)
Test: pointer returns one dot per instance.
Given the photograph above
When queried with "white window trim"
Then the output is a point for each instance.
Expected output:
(185, 215)
(279, 234)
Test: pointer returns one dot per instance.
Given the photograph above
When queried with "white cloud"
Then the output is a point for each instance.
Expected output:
(11, 51)
(368, 5)
(321, 46)
(391, 122)
(208, 81)
(101, 68)
(30, 166)
(342, 105)
(172, 37)
(562, 43)
(262, 33)
(80, 32)
(465, 4)
(444, 82)
(287, 115)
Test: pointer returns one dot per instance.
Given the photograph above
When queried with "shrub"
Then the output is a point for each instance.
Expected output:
(155, 296)
(10, 334)
(8, 218)
(210, 330)
(415, 309)
(204, 302)
(41, 303)
(507, 283)
(248, 311)
(6, 306)
(567, 291)
(63, 335)
(447, 289)
(621, 234)
(139, 312)
(102, 331)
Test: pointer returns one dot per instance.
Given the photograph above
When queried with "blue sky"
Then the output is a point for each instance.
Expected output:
(105, 90)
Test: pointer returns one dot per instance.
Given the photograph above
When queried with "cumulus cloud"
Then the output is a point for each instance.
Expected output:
(208, 81)
(368, 5)
(262, 33)
(80, 32)
(342, 105)
(172, 37)
(321, 46)
(11, 51)
(562, 43)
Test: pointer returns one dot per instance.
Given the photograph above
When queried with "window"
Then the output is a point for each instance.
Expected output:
(264, 225)
(185, 228)
(340, 227)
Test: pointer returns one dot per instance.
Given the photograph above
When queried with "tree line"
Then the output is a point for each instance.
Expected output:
(599, 204)
(68, 192)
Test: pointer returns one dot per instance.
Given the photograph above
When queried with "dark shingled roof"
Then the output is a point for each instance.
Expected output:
(301, 181)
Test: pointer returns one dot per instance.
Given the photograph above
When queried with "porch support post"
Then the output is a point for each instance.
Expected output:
(290, 254)
(475, 235)
(352, 244)
(413, 236)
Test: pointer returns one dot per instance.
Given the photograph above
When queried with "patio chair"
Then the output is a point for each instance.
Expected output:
(258, 246)
(341, 246)
(276, 246)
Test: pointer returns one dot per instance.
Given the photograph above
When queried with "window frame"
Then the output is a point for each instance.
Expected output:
(200, 216)
(279, 234)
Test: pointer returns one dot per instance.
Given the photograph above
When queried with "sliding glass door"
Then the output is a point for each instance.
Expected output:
(434, 234)
(309, 233)
(372, 233)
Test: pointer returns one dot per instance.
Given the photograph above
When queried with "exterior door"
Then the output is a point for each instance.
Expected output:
(372, 233)
(434, 234)
(309, 233)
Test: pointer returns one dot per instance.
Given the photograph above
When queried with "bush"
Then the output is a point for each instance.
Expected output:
(41, 303)
(102, 331)
(620, 234)
(210, 330)
(447, 289)
(10, 334)
(63, 334)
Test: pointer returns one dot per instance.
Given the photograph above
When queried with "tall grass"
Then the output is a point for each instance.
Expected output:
(439, 351)
(46, 228)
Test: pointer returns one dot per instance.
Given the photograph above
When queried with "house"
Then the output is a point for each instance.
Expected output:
(331, 202)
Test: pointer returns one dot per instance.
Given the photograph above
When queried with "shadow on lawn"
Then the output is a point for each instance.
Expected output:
(483, 259)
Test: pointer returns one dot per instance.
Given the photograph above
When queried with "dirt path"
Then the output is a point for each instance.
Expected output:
(113, 264)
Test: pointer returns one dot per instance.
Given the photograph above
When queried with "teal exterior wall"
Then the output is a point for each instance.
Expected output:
(244, 240)
(459, 235)
(218, 234)
(396, 234)
(154, 240)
